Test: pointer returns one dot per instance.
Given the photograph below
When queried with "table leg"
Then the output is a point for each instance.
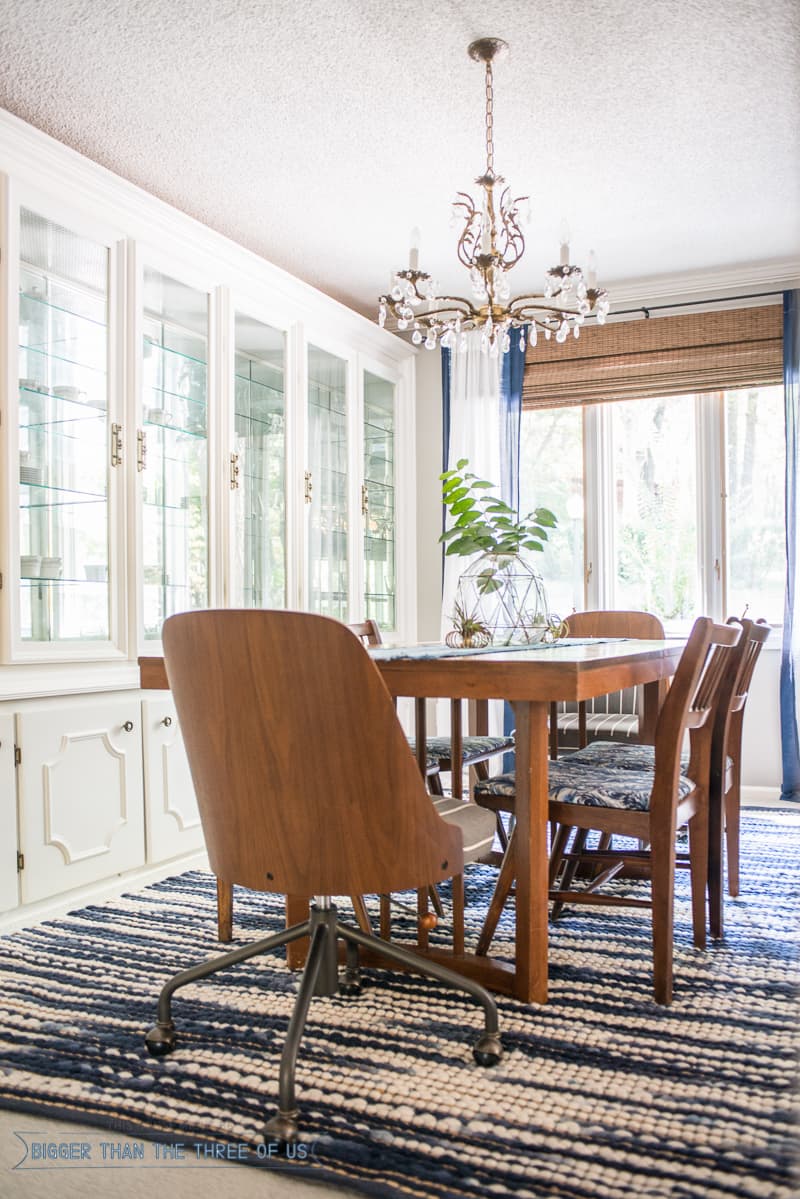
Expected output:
(421, 733)
(456, 750)
(654, 694)
(296, 913)
(531, 852)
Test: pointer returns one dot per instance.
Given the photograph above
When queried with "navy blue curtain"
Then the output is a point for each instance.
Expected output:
(510, 414)
(790, 654)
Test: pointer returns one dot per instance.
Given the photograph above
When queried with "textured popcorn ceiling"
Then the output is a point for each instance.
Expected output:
(664, 131)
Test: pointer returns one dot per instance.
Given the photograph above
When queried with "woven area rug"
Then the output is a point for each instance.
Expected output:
(601, 1092)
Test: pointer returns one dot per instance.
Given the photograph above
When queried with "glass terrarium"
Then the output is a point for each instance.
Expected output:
(505, 596)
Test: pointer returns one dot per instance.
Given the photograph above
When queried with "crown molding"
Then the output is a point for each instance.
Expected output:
(715, 284)
(41, 161)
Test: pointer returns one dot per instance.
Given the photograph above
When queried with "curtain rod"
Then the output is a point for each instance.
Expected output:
(753, 295)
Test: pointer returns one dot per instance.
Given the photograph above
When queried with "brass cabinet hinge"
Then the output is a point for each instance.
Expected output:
(364, 500)
(20, 861)
(141, 449)
(234, 472)
(1, 580)
(116, 445)
(308, 487)
(17, 756)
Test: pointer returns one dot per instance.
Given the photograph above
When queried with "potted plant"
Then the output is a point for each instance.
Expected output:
(500, 589)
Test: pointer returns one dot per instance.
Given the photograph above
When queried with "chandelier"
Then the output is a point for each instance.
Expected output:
(490, 245)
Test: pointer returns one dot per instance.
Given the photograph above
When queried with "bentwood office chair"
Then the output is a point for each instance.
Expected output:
(306, 786)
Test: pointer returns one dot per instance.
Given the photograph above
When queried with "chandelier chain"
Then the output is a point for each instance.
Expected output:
(489, 120)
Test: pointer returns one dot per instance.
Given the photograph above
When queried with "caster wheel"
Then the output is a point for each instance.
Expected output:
(282, 1128)
(488, 1049)
(429, 921)
(161, 1040)
(349, 986)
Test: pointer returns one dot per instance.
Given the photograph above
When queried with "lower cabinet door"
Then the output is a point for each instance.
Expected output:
(81, 795)
(173, 821)
(9, 886)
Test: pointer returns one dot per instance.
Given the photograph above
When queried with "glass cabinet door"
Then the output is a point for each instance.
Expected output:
(326, 485)
(63, 434)
(175, 474)
(378, 502)
(259, 466)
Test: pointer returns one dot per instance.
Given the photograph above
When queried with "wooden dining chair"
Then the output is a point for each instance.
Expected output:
(646, 805)
(616, 716)
(726, 754)
(342, 812)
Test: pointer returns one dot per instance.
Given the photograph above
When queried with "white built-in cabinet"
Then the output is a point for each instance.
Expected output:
(181, 426)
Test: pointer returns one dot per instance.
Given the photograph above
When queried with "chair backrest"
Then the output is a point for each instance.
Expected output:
(609, 623)
(702, 684)
(304, 779)
(367, 631)
(729, 723)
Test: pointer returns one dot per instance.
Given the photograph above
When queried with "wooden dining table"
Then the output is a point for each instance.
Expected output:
(530, 679)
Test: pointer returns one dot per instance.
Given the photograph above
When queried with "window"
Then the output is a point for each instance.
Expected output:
(551, 476)
(655, 507)
(684, 503)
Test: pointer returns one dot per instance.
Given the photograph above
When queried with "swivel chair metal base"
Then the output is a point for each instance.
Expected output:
(320, 977)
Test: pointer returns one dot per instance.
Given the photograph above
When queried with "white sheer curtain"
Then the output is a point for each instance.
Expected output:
(475, 434)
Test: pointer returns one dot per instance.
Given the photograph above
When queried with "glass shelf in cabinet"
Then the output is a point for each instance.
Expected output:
(66, 403)
(42, 302)
(83, 366)
(174, 353)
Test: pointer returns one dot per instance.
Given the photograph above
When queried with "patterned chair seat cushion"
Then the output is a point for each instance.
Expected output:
(594, 786)
(477, 826)
(474, 749)
(628, 757)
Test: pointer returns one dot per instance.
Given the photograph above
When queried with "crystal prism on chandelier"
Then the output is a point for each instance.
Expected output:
(491, 243)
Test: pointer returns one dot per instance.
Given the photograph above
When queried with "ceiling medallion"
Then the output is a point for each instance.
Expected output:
(491, 243)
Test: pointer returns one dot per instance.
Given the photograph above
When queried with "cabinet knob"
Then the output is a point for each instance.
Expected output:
(128, 726)
(167, 721)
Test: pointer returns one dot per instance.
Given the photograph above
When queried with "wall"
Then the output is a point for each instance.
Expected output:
(761, 764)
(429, 504)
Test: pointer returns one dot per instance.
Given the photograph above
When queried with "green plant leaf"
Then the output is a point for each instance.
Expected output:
(457, 493)
(545, 517)
(468, 518)
(480, 482)
(447, 474)
(462, 462)
(464, 546)
(533, 545)
(449, 534)
(462, 505)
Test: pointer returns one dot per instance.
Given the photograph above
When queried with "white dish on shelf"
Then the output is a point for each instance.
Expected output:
(30, 566)
(52, 568)
(159, 416)
(69, 393)
(31, 474)
(96, 572)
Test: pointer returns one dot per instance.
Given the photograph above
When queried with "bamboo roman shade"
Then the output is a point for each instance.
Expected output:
(670, 355)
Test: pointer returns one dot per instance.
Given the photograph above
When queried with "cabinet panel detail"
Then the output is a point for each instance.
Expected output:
(76, 832)
(81, 799)
(173, 820)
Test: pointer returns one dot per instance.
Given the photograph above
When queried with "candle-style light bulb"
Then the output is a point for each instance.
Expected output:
(563, 237)
(413, 257)
(591, 269)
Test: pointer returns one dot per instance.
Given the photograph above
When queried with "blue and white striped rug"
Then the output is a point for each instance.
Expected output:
(601, 1092)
